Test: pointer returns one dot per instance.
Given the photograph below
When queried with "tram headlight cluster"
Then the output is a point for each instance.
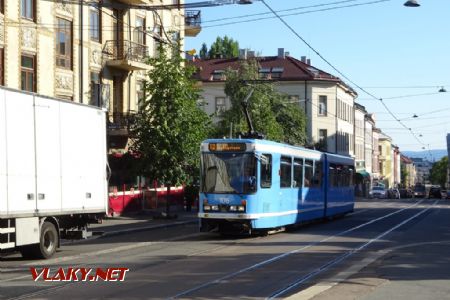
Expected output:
(211, 207)
(239, 208)
(231, 208)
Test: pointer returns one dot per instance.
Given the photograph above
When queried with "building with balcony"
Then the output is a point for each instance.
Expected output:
(409, 169)
(375, 152)
(363, 177)
(385, 160)
(326, 99)
(90, 54)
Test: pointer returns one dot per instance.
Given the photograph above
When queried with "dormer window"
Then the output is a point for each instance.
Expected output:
(277, 71)
(264, 73)
(218, 75)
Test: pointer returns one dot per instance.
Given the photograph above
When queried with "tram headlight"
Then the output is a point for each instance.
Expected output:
(241, 208)
(215, 207)
(233, 208)
(206, 207)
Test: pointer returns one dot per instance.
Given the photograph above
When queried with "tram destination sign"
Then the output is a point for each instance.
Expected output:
(227, 147)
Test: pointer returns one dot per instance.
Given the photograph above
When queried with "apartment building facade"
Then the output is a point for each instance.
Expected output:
(90, 54)
(327, 100)
(385, 160)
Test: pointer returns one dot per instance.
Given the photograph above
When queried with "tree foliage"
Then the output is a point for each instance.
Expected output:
(438, 172)
(169, 126)
(221, 48)
(203, 51)
(270, 111)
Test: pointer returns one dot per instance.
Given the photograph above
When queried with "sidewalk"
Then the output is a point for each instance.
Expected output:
(142, 221)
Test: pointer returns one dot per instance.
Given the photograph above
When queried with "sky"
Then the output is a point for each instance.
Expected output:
(395, 53)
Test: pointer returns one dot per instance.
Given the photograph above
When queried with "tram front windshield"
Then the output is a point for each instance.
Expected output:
(228, 173)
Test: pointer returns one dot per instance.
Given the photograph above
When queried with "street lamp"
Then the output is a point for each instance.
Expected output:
(411, 3)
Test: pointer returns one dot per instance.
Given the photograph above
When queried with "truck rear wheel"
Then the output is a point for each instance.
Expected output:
(48, 243)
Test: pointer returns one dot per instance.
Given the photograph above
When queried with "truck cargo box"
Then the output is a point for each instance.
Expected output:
(52, 156)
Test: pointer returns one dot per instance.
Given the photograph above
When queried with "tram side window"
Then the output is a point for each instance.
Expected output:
(332, 175)
(285, 172)
(338, 179)
(308, 173)
(347, 176)
(351, 174)
(298, 172)
(317, 177)
(266, 171)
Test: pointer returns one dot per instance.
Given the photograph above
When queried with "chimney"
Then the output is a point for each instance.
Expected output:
(242, 53)
(280, 52)
(286, 53)
(303, 59)
(308, 61)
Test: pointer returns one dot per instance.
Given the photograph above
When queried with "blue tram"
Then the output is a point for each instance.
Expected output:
(250, 185)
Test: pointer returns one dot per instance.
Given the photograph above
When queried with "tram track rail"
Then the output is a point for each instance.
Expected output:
(345, 255)
(276, 258)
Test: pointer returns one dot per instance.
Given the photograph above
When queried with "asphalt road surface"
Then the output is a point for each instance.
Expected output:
(386, 249)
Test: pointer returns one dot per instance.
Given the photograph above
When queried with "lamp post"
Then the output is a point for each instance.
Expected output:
(411, 3)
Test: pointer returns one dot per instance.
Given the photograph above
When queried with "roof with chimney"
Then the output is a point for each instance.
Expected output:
(274, 68)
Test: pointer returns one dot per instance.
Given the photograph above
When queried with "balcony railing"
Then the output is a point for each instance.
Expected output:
(125, 50)
(126, 55)
(119, 122)
(192, 22)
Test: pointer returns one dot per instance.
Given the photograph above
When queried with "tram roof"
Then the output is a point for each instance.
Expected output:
(271, 146)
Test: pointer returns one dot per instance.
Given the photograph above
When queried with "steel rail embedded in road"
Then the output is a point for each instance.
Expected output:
(278, 257)
(346, 255)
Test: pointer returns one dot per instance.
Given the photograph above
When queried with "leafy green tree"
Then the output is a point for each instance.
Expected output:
(271, 112)
(223, 48)
(204, 51)
(169, 126)
(438, 172)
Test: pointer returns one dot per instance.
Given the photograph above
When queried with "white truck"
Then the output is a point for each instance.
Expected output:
(53, 171)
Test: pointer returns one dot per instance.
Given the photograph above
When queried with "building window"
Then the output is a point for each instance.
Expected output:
(218, 75)
(322, 105)
(95, 89)
(139, 31)
(2, 66)
(157, 44)
(220, 105)
(64, 44)
(27, 9)
(140, 94)
(2, 6)
(94, 24)
(28, 73)
(323, 138)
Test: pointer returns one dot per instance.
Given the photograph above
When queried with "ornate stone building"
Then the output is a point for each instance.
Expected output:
(90, 54)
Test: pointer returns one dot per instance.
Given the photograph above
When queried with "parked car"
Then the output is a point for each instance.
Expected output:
(406, 193)
(378, 192)
(448, 194)
(435, 192)
(444, 194)
(393, 193)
